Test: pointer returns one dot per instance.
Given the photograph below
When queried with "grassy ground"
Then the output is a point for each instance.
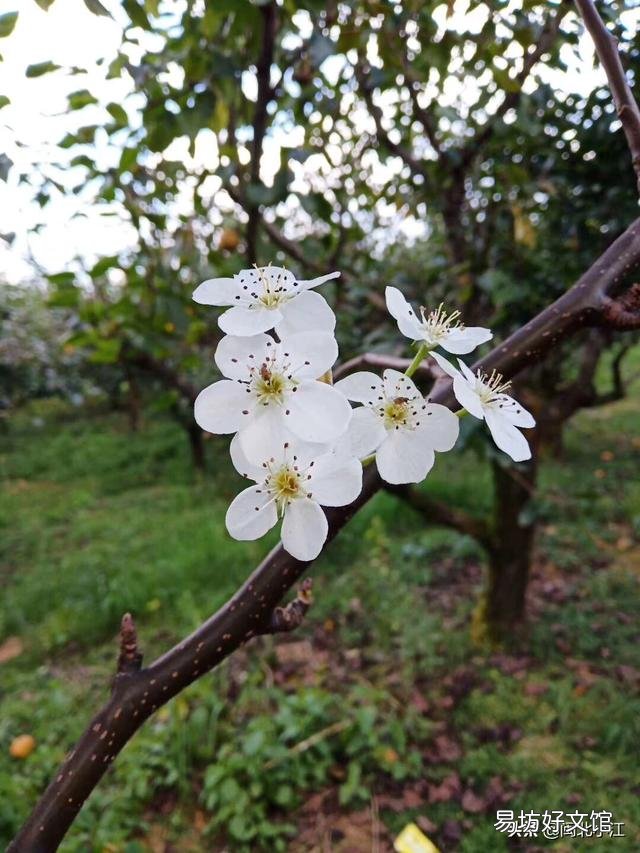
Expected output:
(377, 711)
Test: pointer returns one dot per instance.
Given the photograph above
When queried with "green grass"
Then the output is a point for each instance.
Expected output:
(95, 521)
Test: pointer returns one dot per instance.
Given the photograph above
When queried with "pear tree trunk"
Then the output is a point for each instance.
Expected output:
(501, 613)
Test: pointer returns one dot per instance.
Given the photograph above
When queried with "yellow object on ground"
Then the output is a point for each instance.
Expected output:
(412, 840)
(22, 746)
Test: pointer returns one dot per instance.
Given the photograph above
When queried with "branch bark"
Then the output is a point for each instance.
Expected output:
(136, 695)
(606, 47)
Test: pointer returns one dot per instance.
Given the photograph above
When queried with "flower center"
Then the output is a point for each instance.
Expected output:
(437, 324)
(270, 386)
(490, 386)
(273, 292)
(396, 412)
(284, 485)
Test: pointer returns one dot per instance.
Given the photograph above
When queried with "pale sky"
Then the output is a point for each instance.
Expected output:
(69, 35)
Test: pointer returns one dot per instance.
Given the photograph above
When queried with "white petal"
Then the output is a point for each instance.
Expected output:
(362, 387)
(396, 384)
(251, 514)
(310, 354)
(314, 282)
(403, 313)
(404, 457)
(468, 374)
(317, 412)
(242, 464)
(248, 321)
(514, 412)
(304, 529)
(265, 435)
(233, 354)
(506, 436)
(335, 480)
(217, 291)
(223, 407)
(445, 364)
(279, 279)
(366, 432)
(439, 427)
(467, 396)
(461, 341)
(306, 311)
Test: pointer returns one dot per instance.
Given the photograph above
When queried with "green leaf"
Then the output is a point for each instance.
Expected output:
(7, 23)
(97, 8)
(40, 68)
(107, 351)
(104, 264)
(128, 159)
(137, 14)
(44, 4)
(80, 99)
(4, 101)
(61, 278)
(118, 113)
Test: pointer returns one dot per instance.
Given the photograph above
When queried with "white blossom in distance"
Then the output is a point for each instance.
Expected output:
(484, 397)
(265, 298)
(436, 329)
(271, 392)
(294, 486)
(396, 422)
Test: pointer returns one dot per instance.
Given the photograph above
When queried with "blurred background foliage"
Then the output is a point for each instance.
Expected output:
(436, 146)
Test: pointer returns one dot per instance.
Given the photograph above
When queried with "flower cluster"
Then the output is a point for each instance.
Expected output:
(297, 437)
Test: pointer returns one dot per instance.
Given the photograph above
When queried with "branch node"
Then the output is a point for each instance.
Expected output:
(130, 658)
(623, 312)
(284, 619)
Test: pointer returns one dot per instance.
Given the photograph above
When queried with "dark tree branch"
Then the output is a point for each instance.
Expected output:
(436, 512)
(167, 374)
(588, 303)
(250, 611)
(606, 47)
(416, 165)
(269, 12)
(618, 386)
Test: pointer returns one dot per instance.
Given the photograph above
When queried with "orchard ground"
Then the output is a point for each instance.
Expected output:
(379, 710)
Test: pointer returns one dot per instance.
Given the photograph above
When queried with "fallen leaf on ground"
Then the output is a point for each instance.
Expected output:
(444, 750)
(472, 803)
(10, 649)
(448, 789)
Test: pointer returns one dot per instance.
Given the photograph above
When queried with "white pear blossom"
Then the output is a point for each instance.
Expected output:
(436, 329)
(397, 423)
(271, 391)
(484, 397)
(265, 298)
(292, 485)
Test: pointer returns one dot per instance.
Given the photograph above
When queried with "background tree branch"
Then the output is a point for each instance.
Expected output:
(606, 47)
